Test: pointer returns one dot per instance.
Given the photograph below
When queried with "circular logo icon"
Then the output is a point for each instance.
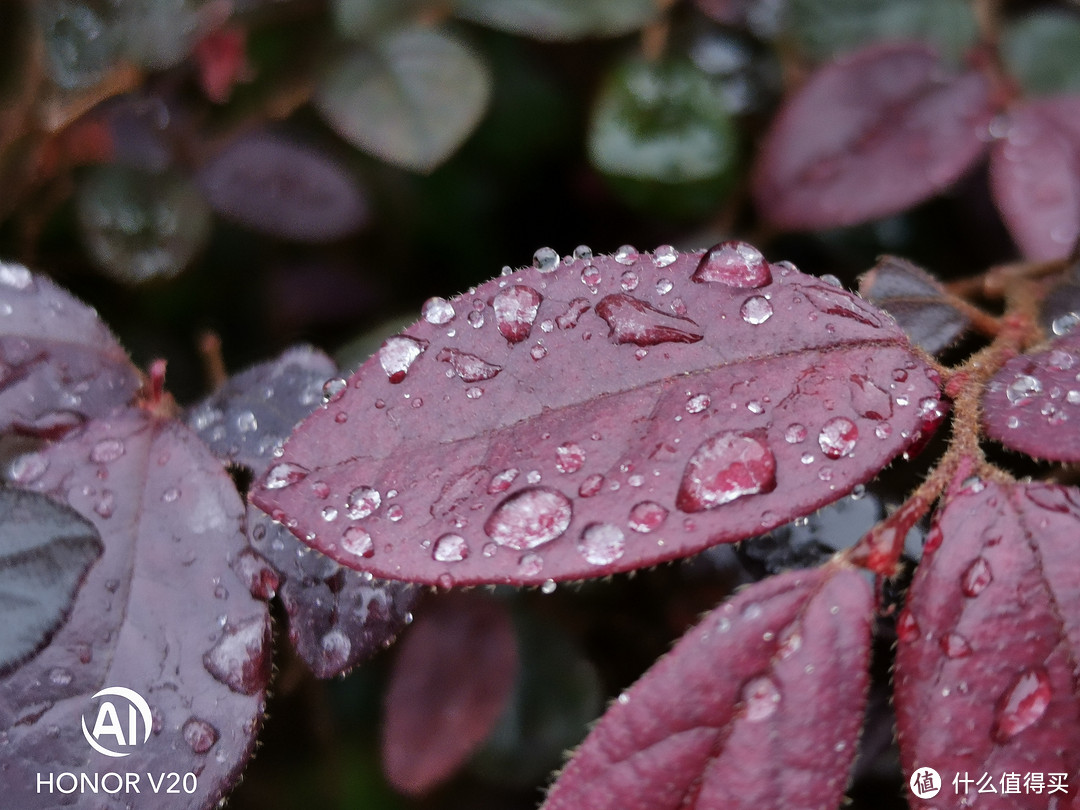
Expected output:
(925, 783)
(116, 732)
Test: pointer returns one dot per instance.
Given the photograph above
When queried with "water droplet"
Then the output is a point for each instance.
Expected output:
(529, 518)
(736, 264)
(362, 501)
(546, 260)
(569, 457)
(1023, 389)
(976, 577)
(500, 482)
(515, 312)
(647, 516)
(476, 319)
(955, 645)
(1023, 704)
(241, 657)
(437, 311)
(329, 514)
(907, 628)
(533, 476)
(590, 276)
(397, 354)
(631, 320)
(583, 252)
(1063, 324)
(530, 565)
(15, 276)
(333, 390)
(199, 735)
(105, 504)
(548, 587)
(832, 301)
(1061, 360)
(754, 406)
(723, 468)
(358, 542)
(868, 399)
(756, 310)
(107, 450)
(626, 254)
(450, 548)
(28, 468)
(795, 433)
(665, 255)
(468, 367)
(602, 543)
(58, 676)
(664, 286)
(698, 403)
(591, 486)
(760, 699)
(395, 513)
(838, 437)
(629, 281)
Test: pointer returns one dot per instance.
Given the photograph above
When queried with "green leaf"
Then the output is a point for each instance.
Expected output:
(45, 551)
(824, 28)
(363, 19)
(410, 98)
(1040, 49)
(560, 19)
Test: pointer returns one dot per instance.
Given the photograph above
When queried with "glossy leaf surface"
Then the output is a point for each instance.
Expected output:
(767, 683)
(410, 97)
(59, 365)
(453, 675)
(581, 418)
(45, 551)
(988, 642)
(160, 613)
(559, 19)
(869, 135)
(916, 300)
(1033, 403)
(1035, 176)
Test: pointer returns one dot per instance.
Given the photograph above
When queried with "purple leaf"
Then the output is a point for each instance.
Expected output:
(453, 675)
(161, 614)
(1035, 176)
(1033, 403)
(985, 668)
(916, 300)
(869, 135)
(59, 365)
(45, 551)
(667, 415)
(760, 705)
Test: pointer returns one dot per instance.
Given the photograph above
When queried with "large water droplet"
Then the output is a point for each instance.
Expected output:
(602, 543)
(397, 354)
(723, 468)
(976, 577)
(358, 542)
(468, 367)
(760, 698)
(450, 548)
(837, 302)
(362, 501)
(285, 474)
(199, 735)
(570, 457)
(437, 311)
(1023, 389)
(631, 320)
(647, 516)
(529, 518)
(583, 252)
(28, 468)
(107, 450)
(1023, 704)
(515, 312)
(838, 437)
(735, 264)
(546, 260)
(756, 310)
(241, 657)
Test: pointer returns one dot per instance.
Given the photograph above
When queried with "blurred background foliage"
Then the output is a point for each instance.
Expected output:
(276, 171)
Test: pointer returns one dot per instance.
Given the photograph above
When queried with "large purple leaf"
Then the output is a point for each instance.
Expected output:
(337, 617)
(59, 365)
(1033, 403)
(869, 135)
(1035, 176)
(759, 706)
(989, 642)
(161, 613)
(597, 415)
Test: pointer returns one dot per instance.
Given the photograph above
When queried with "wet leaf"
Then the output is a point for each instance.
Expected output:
(559, 19)
(649, 406)
(337, 617)
(916, 300)
(45, 551)
(410, 97)
(1035, 176)
(869, 135)
(1034, 50)
(991, 634)
(452, 677)
(777, 671)
(160, 613)
(284, 188)
(1033, 403)
(59, 365)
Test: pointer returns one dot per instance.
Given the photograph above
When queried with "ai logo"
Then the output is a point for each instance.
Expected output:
(109, 733)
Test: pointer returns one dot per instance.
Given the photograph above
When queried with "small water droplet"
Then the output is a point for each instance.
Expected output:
(760, 698)
(754, 406)
(602, 543)
(795, 433)
(334, 389)
(756, 310)
(397, 354)
(591, 486)
(1061, 360)
(976, 577)
(647, 516)
(329, 514)
(15, 276)
(665, 255)
(583, 253)
(450, 548)
(170, 495)
(548, 587)
(358, 542)
(1023, 389)
(955, 645)
(590, 276)
(58, 676)
(736, 264)
(546, 260)
(723, 468)
(105, 504)
(362, 501)
(529, 518)
(626, 254)
(515, 312)
(570, 457)
(838, 437)
(1023, 704)
(530, 565)
(907, 628)
(664, 286)
(500, 482)
(107, 450)
(476, 319)
(1063, 324)
(28, 468)
(629, 281)
(199, 735)
(883, 431)
(241, 657)
(698, 403)
(437, 311)
(395, 513)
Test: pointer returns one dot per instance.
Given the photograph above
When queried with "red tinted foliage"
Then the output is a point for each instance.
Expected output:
(59, 365)
(452, 677)
(758, 706)
(646, 415)
(870, 135)
(221, 58)
(161, 613)
(985, 670)
(1035, 175)
(1033, 402)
